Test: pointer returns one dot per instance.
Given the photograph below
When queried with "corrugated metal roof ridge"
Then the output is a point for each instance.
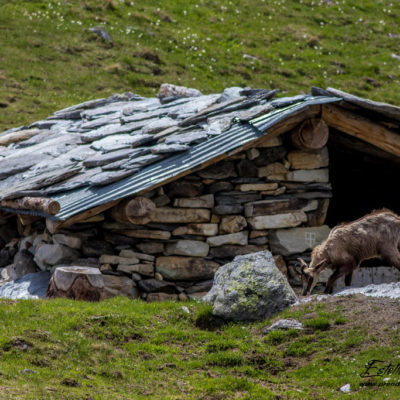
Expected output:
(80, 200)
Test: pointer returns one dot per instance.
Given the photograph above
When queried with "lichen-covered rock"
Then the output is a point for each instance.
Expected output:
(251, 288)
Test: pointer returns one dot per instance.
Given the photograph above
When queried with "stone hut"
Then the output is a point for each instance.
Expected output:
(157, 193)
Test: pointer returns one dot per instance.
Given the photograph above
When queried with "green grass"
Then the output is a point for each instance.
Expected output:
(123, 349)
(49, 59)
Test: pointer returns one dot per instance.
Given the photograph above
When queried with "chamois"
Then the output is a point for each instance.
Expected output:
(375, 235)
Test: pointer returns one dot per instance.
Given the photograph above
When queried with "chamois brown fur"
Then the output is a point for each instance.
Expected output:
(375, 235)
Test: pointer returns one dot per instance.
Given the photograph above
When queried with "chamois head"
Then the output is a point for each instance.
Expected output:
(309, 275)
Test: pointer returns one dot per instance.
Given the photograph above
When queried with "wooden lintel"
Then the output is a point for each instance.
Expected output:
(361, 128)
(54, 226)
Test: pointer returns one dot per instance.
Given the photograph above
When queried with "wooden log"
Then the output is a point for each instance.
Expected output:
(41, 204)
(312, 133)
(135, 211)
(79, 283)
(362, 128)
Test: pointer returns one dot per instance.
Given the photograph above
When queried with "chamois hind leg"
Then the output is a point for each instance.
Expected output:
(391, 256)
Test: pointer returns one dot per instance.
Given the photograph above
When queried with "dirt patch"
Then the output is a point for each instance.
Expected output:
(377, 317)
(16, 343)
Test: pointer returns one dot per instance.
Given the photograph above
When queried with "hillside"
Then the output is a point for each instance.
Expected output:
(49, 59)
(124, 349)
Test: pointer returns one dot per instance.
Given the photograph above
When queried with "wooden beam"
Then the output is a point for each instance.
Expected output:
(54, 226)
(361, 128)
(41, 204)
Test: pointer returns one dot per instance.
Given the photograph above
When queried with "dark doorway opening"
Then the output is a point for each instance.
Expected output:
(363, 177)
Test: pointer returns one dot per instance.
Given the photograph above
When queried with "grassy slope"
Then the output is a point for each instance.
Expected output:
(49, 60)
(121, 349)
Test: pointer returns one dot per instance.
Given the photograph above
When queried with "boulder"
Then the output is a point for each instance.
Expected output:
(31, 286)
(251, 288)
(54, 254)
(23, 265)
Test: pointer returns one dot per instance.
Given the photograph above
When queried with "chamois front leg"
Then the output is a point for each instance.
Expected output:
(348, 279)
(347, 270)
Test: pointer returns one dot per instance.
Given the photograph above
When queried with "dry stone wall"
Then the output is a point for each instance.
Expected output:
(270, 197)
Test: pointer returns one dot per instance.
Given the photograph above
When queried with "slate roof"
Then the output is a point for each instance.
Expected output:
(106, 149)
